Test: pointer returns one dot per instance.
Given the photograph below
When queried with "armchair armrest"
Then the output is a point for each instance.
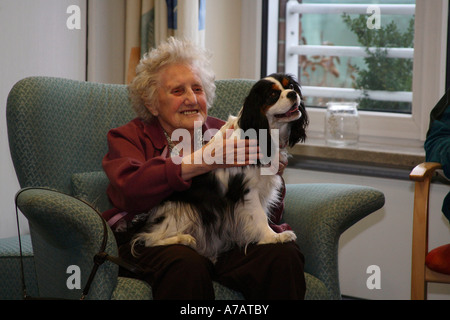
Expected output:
(319, 214)
(67, 232)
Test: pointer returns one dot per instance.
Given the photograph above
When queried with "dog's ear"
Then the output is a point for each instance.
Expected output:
(298, 127)
(252, 114)
(253, 117)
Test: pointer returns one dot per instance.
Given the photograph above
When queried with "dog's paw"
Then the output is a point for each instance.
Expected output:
(187, 240)
(282, 237)
(287, 236)
(184, 239)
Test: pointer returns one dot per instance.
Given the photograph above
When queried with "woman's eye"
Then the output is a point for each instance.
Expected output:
(177, 91)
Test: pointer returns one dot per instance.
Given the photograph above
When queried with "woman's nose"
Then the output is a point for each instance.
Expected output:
(190, 97)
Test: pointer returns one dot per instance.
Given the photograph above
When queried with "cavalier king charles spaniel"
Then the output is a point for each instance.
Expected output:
(232, 206)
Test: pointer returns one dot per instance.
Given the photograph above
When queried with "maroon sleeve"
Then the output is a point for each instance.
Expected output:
(140, 177)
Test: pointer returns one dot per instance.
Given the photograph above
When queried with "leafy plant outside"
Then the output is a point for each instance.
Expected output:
(381, 72)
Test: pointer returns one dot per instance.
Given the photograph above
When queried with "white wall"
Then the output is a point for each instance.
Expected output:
(384, 237)
(34, 41)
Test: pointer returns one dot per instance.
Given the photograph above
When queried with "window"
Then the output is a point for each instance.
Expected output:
(346, 54)
(397, 76)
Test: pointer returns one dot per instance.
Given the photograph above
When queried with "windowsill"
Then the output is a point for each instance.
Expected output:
(393, 158)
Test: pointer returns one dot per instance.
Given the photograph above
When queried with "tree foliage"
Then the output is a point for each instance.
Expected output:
(382, 73)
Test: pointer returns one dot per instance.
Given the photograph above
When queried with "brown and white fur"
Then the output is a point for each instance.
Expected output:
(229, 207)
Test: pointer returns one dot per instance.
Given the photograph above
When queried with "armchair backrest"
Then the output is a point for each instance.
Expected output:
(57, 127)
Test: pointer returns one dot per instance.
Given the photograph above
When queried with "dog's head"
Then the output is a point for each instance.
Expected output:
(276, 102)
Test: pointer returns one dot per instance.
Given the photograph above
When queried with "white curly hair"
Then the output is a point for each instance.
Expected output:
(143, 89)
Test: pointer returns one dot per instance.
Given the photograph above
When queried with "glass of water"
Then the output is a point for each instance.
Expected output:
(342, 124)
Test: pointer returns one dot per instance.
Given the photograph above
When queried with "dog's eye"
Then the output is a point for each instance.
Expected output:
(291, 86)
(274, 95)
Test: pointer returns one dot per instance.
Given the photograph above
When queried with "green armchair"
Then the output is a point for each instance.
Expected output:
(57, 136)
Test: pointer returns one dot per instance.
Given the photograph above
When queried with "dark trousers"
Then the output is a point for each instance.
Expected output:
(270, 271)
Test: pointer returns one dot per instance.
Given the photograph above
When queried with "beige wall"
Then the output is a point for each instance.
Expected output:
(223, 36)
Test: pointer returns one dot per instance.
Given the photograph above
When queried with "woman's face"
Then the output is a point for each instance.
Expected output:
(182, 100)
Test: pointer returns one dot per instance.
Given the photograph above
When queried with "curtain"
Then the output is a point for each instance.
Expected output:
(149, 22)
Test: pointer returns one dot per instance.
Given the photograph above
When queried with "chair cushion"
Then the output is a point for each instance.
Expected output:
(438, 259)
(91, 187)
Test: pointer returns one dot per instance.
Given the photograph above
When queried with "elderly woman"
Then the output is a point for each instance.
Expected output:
(173, 89)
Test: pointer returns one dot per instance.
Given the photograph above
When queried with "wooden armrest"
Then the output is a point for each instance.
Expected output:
(424, 170)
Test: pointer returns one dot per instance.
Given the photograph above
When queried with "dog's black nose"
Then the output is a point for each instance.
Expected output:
(292, 95)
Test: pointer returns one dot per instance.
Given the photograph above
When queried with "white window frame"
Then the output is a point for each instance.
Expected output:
(429, 74)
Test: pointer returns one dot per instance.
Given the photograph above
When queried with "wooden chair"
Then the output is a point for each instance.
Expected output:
(420, 273)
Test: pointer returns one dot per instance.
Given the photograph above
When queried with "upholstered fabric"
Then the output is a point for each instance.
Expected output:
(57, 127)
(91, 187)
(57, 136)
(230, 96)
(438, 259)
(131, 289)
(10, 275)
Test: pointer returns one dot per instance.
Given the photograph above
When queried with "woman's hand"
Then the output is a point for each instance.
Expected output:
(229, 151)
(222, 151)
